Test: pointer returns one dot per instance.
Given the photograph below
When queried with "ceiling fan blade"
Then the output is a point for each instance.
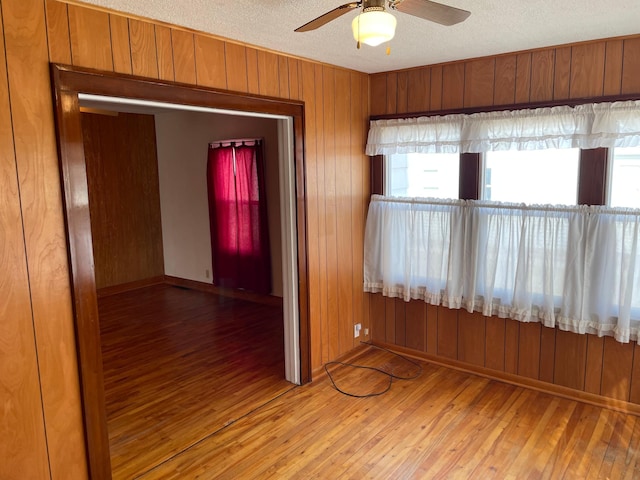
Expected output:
(432, 11)
(327, 17)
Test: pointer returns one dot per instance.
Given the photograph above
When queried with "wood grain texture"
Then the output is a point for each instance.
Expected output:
(617, 365)
(22, 433)
(416, 326)
(168, 395)
(236, 67)
(400, 333)
(252, 70)
(471, 338)
(453, 86)
(283, 77)
(631, 66)
(58, 32)
(587, 70)
(504, 90)
(595, 356)
(268, 74)
(144, 59)
(426, 428)
(529, 350)
(402, 93)
(120, 44)
(436, 88)
(295, 84)
(27, 56)
(495, 343)
(392, 93)
(523, 77)
(122, 164)
(479, 81)
(390, 319)
(542, 69)
(418, 89)
(511, 350)
(448, 333)
(210, 62)
(378, 86)
(570, 360)
(164, 53)
(90, 38)
(613, 67)
(547, 353)
(562, 73)
(184, 58)
(634, 394)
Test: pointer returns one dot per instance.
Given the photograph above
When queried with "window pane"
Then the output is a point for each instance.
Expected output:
(624, 190)
(423, 175)
(532, 177)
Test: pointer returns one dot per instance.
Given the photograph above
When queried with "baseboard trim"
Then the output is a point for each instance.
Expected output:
(530, 383)
(127, 287)
(225, 292)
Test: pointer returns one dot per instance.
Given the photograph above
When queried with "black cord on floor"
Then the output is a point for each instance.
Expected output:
(391, 375)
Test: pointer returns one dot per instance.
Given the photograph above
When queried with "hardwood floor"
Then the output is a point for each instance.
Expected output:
(179, 365)
(444, 424)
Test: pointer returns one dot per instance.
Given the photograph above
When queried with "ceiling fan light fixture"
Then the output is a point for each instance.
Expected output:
(374, 27)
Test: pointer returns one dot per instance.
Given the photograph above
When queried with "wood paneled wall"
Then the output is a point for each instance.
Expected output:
(582, 362)
(124, 197)
(41, 425)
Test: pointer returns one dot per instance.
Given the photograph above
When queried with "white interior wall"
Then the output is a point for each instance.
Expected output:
(182, 142)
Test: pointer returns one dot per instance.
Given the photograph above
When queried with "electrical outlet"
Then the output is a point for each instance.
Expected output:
(366, 332)
(356, 330)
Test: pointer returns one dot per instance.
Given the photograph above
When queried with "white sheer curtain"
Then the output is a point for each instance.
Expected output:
(574, 267)
(594, 125)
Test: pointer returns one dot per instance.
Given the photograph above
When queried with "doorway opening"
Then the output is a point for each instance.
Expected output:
(78, 87)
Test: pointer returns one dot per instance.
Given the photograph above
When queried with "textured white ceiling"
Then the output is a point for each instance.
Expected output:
(495, 26)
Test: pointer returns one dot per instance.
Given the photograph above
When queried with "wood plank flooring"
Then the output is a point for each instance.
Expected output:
(181, 364)
(445, 424)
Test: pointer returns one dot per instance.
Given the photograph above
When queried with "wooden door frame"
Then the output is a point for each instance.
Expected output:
(68, 82)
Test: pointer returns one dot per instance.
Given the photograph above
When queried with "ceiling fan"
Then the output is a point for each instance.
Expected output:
(374, 25)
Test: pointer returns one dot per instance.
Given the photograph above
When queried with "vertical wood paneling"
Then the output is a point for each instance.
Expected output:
(331, 207)
(210, 63)
(504, 90)
(523, 77)
(268, 74)
(617, 366)
(311, 159)
(120, 44)
(529, 350)
(164, 53)
(471, 338)
(343, 206)
(144, 61)
(283, 77)
(58, 32)
(25, 39)
(401, 322)
(547, 353)
(511, 353)
(587, 70)
(593, 374)
(236, 66)
(613, 68)
(453, 86)
(432, 329)
(402, 94)
(295, 85)
(634, 394)
(436, 88)
(392, 93)
(416, 325)
(253, 83)
(562, 73)
(390, 319)
(22, 436)
(542, 68)
(122, 176)
(418, 89)
(448, 333)
(631, 66)
(184, 59)
(378, 85)
(90, 38)
(479, 82)
(495, 343)
(570, 364)
(377, 315)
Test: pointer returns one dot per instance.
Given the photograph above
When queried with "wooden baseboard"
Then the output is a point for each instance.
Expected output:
(533, 384)
(126, 287)
(225, 292)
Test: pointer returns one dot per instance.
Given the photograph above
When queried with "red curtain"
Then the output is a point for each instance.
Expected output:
(238, 217)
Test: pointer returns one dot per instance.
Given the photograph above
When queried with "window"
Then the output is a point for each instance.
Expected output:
(423, 175)
(532, 177)
(624, 186)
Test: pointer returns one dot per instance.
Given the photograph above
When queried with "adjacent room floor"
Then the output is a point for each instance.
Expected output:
(443, 424)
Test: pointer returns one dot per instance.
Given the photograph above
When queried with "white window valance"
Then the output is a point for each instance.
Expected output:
(593, 125)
